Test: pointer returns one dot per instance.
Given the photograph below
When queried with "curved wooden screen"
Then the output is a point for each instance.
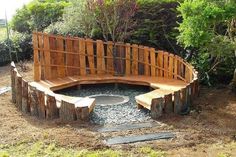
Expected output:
(57, 56)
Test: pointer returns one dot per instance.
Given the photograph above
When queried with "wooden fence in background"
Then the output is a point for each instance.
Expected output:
(57, 57)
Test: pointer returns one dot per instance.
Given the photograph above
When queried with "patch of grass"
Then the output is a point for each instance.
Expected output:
(151, 153)
(223, 155)
(39, 149)
(42, 149)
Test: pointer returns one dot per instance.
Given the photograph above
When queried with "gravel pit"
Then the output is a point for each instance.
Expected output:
(113, 112)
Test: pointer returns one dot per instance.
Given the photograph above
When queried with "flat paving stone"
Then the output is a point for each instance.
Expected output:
(4, 90)
(127, 127)
(139, 138)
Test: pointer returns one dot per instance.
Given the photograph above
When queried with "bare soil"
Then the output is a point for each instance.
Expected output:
(208, 130)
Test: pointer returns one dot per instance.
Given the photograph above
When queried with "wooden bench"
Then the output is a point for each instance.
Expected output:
(156, 101)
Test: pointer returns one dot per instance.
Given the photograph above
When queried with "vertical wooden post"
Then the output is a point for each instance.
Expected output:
(135, 59)
(47, 57)
(169, 108)
(37, 73)
(19, 91)
(153, 62)
(184, 99)
(170, 69)
(100, 57)
(177, 102)
(166, 56)
(52, 112)
(41, 104)
(76, 58)
(13, 82)
(160, 64)
(146, 61)
(110, 61)
(53, 56)
(141, 60)
(175, 67)
(82, 57)
(67, 111)
(25, 101)
(90, 49)
(82, 113)
(33, 101)
(127, 62)
(61, 59)
(69, 56)
(157, 108)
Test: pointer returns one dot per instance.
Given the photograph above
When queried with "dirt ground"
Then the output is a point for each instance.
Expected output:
(209, 129)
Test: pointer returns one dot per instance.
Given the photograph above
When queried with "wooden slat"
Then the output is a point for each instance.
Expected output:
(76, 58)
(160, 63)
(60, 58)
(41, 104)
(169, 108)
(127, 61)
(13, 82)
(134, 59)
(166, 56)
(100, 59)
(171, 65)
(25, 102)
(82, 57)
(67, 111)
(47, 57)
(157, 108)
(89, 46)
(42, 57)
(53, 57)
(69, 57)
(19, 92)
(153, 61)
(177, 102)
(33, 101)
(175, 67)
(37, 73)
(146, 61)
(52, 112)
(141, 60)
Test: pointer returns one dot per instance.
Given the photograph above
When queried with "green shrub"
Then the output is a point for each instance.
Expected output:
(20, 47)
(156, 22)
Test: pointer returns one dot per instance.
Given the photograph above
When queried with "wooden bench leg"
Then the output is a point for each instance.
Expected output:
(157, 108)
(139, 106)
(82, 113)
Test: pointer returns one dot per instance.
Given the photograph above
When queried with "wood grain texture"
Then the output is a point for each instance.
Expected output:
(61, 71)
(25, 100)
(90, 50)
(160, 63)
(134, 59)
(19, 91)
(153, 62)
(82, 57)
(47, 58)
(52, 112)
(146, 61)
(127, 61)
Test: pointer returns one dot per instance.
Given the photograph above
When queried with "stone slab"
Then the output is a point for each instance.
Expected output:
(4, 90)
(139, 138)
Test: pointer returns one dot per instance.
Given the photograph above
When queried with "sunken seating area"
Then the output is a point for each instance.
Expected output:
(62, 62)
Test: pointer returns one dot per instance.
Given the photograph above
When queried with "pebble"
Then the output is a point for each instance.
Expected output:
(114, 114)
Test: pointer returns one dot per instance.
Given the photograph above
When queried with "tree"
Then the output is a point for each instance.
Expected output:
(37, 15)
(209, 26)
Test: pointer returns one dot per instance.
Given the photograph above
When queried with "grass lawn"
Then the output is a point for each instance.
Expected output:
(40, 148)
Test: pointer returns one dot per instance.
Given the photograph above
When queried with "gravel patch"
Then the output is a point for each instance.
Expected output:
(113, 114)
